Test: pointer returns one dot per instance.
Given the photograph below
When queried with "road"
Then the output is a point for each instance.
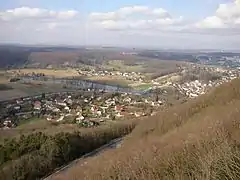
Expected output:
(112, 145)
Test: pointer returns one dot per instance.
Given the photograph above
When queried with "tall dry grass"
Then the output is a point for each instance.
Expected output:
(197, 140)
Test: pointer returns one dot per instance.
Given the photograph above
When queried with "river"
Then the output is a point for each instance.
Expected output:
(82, 84)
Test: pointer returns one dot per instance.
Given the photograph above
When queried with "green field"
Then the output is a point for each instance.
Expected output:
(143, 87)
(30, 122)
(120, 66)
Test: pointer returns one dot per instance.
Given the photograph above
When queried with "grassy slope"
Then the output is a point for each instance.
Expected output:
(196, 140)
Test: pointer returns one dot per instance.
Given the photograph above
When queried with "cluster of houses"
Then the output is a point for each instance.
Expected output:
(133, 76)
(195, 88)
(192, 89)
(84, 108)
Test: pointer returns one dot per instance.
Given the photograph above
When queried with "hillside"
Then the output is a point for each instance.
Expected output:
(58, 57)
(195, 140)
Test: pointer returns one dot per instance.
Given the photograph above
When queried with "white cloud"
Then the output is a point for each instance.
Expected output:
(161, 13)
(125, 26)
(95, 16)
(24, 13)
(135, 17)
(133, 9)
(229, 11)
(211, 22)
(226, 16)
(225, 20)
(128, 12)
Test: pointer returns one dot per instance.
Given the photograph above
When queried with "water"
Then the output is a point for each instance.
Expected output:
(82, 84)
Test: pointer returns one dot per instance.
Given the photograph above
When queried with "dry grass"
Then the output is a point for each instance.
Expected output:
(196, 140)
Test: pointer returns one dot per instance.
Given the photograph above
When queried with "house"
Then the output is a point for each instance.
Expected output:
(94, 109)
(99, 113)
(67, 109)
(118, 108)
(17, 108)
(60, 119)
(137, 114)
(80, 119)
(55, 110)
(19, 101)
(62, 104)
(49, 118)
(69, 101)
(7, 123)
(104, 109)
(37, 105)
(160, 102)
(128, 100)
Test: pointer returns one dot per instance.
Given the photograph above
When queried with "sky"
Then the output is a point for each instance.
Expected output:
(208, 24)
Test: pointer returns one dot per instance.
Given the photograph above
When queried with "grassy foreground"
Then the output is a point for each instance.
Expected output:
(196, 140)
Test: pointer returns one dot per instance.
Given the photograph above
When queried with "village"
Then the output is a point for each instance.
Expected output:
(193, 89)
(91, 107)
(87, 109)
(91, 73)
(132, 76)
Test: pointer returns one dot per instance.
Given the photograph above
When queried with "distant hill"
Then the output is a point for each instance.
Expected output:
(22, 56)
(195, 140)
(186, 55)
(41, 57)
(12, 57)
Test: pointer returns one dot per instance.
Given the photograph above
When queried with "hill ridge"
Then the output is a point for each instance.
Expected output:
(195, 140)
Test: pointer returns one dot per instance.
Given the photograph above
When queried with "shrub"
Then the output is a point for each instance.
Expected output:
(36, 155)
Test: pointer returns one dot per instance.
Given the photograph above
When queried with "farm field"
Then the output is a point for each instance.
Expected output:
(22, 90)
(120, 65)
(112, 80)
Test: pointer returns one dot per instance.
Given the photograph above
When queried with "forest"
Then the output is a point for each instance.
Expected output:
(34, 156)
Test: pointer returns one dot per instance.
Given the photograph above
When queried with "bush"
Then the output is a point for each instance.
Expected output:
(36, 155)
(14, 79)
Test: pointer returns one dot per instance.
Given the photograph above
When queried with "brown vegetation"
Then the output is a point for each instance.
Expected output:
(53, 58)
(35, 155)
(196, 140)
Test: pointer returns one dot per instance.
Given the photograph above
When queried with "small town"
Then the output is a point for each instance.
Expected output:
(93, 107)
(205, 79)
(86, 108)
(195, 88)
(132, 76)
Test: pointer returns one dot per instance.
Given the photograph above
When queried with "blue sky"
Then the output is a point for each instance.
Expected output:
(151, 22)
(197, 8)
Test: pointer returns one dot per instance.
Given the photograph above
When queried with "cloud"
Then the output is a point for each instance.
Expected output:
(224, 21)
(128, 12)
(125, 26)
(227, 16)
(24, 13)
(211, 22)
(135, 17)
(27, 24)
